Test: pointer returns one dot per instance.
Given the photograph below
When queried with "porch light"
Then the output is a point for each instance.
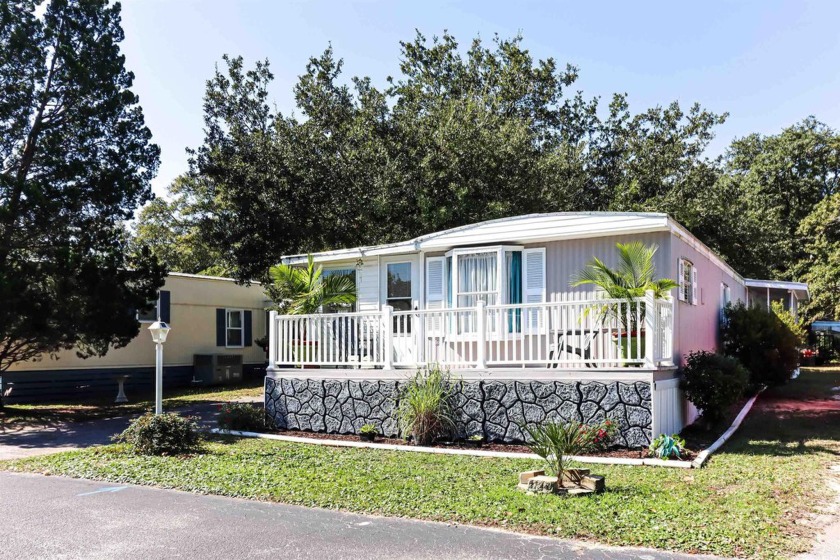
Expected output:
(159, 331)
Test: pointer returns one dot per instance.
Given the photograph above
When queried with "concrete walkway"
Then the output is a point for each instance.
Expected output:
(62, 518)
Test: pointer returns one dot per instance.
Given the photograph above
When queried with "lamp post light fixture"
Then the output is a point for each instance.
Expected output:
(159, 331)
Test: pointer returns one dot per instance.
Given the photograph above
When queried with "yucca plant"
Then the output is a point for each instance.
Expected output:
(425, 409)
(555, 442)
(305, 290)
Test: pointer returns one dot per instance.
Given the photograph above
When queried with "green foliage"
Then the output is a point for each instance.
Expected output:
(820, 268)
(241, 417)
(173, 230)
(635, 275)
(425, 409)
(793, 324)
(77, 161)
(667, 447)
(301, 291)
(161, 434)
(713, 382)
(369, 430)
(555, 442)
(761, 342)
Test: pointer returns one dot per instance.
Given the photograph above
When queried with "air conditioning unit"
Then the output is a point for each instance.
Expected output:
(217, 369)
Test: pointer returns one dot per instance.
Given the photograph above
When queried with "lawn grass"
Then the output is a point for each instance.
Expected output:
(750, 500)
(47, 413)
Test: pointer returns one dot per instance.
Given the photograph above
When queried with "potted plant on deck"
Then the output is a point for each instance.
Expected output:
(635, 275)
(305, 291)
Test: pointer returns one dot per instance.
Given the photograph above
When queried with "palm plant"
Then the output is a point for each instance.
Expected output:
(635, 275)
(556, 442)
(305, 290)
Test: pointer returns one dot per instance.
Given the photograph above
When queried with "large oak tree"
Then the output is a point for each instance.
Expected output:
(76, 160)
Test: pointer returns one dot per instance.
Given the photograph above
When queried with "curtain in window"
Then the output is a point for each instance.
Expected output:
(513, 264)
(477, 279)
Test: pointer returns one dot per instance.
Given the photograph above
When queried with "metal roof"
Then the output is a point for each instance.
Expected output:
(529, 228)
(798, 288)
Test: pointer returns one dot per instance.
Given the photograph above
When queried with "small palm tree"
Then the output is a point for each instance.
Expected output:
(635, 275)
(305, 290)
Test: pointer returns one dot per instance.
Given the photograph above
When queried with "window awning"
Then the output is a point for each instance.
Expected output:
(799, 289)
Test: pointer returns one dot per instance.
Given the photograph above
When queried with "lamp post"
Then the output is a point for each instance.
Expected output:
(159, 331)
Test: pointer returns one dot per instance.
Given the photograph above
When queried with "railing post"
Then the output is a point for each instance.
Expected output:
(481, 328)
(272, 342)
(651, 331)
(418, 333)
(388, 336)
(668, 333)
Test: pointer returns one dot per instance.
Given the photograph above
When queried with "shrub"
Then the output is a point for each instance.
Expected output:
(713, 382)
(761, 342)
(555, 442)
(667, 447)
(369, 430)
(161, 434)
(242, 417)
(425, 409)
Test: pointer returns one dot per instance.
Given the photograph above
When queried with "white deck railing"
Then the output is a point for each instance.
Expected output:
(573, 334)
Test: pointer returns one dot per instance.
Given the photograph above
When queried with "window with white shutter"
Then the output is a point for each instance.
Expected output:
(435, 289)
(533, 282)
(688, 282)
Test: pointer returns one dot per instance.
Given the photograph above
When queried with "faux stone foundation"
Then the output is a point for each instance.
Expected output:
(492, 409)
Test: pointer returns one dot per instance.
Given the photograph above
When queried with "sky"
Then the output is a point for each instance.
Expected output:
(768, 64)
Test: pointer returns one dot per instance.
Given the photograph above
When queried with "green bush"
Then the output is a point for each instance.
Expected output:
(243, 417)
(162, 434)
(369, 430)
(713, 382)
(425, 411)
(762, 342)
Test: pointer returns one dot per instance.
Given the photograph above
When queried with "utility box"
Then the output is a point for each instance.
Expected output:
(217, 369)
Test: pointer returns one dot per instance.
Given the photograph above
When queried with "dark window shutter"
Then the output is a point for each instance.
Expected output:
(163, 302)
(221, 339)
(248, 327)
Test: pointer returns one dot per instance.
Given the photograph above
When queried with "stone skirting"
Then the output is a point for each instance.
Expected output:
(493, 409)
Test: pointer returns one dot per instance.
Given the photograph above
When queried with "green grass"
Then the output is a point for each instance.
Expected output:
(745, 502)
(43, 414)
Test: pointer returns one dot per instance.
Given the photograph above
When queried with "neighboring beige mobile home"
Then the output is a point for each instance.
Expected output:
(208, 315)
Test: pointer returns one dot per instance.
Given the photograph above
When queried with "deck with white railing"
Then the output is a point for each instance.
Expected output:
(571, 334)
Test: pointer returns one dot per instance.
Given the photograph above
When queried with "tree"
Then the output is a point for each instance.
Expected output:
(457, 137)
(174, 231)
(820, 232)
(780, 179)
(76, 160)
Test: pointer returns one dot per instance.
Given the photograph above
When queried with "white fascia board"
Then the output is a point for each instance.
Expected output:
(703, 249)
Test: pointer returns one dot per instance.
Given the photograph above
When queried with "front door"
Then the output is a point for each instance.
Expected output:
(400, 290)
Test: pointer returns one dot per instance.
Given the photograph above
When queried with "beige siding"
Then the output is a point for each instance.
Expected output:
(697, 326)
(564, 259)
(193, 305)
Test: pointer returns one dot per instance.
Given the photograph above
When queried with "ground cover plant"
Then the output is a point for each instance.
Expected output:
(750, 500)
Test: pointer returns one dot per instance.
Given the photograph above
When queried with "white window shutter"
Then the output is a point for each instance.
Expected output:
(533, 283)
(694, 299)
(435, 287)
(681, 277)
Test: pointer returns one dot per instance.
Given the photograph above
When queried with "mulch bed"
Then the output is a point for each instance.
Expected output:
(504, 447)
